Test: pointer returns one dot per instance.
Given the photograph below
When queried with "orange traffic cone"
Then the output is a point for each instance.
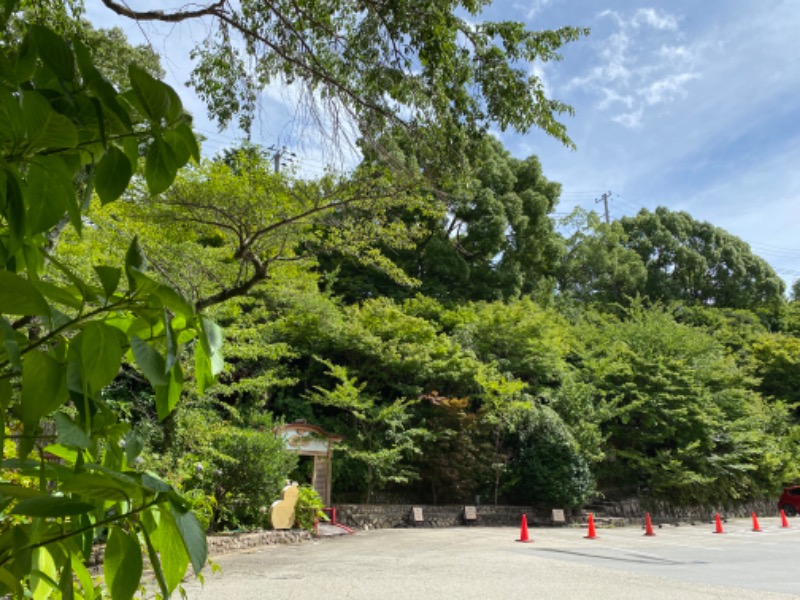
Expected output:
(592, 533)
(719, 525)
(755, 522)
(523, 533)
(784, 520)
(648, 525)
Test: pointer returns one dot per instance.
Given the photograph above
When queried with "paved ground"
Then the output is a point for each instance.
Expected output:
(487, 563)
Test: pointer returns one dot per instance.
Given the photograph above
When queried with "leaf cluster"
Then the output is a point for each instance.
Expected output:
(66, 133)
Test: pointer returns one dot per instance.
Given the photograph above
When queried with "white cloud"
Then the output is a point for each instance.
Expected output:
(639, 65)
(614, 66)
(532, 8)
(614, 15)
(677, 54)
(612, 97)
(615, 53)
(654, 18)
(667, 89)
(631, 120)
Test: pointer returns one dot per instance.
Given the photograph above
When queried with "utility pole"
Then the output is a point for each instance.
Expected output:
(604, 199)
(280, 155)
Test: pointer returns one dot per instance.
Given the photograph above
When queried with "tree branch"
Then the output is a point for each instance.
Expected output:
(212, 10)
(232, 292)
(312, 70)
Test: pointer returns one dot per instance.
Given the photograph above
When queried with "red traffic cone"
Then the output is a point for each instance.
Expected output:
(523, 533)
(719, 525)
(784, 520)
(648, 525)
(592, 533)
(755, 522)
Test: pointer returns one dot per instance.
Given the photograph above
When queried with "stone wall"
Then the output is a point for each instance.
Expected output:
(662, 512)
(226, 543)
(384, 516)
(632, 511)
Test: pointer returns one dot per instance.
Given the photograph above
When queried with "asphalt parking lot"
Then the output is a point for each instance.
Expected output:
(480, 563)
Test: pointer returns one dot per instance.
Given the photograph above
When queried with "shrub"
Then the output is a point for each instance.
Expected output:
(231, 472)
(308, 508)
(547, 467)
(249, 478)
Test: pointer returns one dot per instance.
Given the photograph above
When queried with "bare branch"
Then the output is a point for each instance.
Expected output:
(212, 10)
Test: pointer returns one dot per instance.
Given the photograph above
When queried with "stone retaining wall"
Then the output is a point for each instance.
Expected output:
(633, 509)
(226, 543)
(384, 516)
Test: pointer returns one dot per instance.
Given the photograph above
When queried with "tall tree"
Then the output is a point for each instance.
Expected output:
(235, 224)
(486, 235)
(415, 63)
(697, 262)
(597, 265)
(683, 423)
(665, 256)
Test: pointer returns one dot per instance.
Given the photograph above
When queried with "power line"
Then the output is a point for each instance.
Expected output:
(776, 250)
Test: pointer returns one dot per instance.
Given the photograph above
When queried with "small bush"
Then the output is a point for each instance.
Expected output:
(249, 478)
(308, 508)
(547, 467)
(230, 472)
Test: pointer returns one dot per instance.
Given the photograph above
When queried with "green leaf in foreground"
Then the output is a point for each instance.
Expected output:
(19, 297)
(150, 361)
(113, 174)
(44, 387)
(193, 537)
(161, 166)
(122, 564)
(51, 506)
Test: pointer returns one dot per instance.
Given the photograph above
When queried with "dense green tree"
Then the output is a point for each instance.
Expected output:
(684, 424)
(244, 468)
(736, 328)
(112, 53)
(789, 318)
(665, 256)
(456, 459)
(777, 365)
(696, 262)
(381, 436)
(234, 225)
(496, 240)
(521, 339)
(490, 238)
(598, 266)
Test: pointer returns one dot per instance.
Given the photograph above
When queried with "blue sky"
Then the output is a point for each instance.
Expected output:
(690, 105)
